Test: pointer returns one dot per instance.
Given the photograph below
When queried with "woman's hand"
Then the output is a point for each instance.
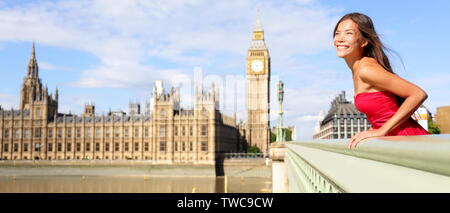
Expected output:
(364, 135)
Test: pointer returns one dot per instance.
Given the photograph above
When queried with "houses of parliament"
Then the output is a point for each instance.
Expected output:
(167, 134)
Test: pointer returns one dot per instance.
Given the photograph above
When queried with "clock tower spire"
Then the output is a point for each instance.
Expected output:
(258, 78)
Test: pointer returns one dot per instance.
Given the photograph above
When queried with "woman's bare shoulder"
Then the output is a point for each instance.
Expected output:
(369, 66)
(368, 62)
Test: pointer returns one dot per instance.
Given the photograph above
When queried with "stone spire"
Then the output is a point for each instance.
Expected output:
(33, 53)
(258, 35)
(258, 25)
(56, 94)
(33, 69)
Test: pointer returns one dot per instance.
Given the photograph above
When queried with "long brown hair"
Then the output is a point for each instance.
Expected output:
(375, 48)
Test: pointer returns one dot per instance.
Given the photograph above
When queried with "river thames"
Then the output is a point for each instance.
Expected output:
(133, 184)
(38, 178)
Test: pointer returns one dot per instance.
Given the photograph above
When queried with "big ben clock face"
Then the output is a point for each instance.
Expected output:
(257, 66)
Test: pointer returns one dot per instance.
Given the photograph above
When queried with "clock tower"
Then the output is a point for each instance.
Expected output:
(258, 78)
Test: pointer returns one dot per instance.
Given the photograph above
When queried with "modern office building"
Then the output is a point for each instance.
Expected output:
(422, 115)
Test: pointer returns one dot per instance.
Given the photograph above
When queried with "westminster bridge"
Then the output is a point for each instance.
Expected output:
(385, 164)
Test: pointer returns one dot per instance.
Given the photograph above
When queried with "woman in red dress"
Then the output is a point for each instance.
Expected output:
(377, 88)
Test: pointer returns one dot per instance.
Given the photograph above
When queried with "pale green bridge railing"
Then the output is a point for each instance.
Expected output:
(384, 164)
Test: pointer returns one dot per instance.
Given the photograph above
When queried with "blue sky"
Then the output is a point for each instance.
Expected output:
(111, 52)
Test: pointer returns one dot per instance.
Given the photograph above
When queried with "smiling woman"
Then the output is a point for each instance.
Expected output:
(376, 86)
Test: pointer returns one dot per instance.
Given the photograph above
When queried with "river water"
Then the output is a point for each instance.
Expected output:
(133, 184)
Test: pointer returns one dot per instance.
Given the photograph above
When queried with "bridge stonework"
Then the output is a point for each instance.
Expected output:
(396, 164)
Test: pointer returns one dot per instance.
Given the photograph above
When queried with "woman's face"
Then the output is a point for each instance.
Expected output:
(348, 40)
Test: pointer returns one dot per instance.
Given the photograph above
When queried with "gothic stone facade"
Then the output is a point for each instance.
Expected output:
(258, 90)
(168, 134)
(165, 133)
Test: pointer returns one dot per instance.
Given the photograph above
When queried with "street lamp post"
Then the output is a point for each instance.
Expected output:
(281, 133)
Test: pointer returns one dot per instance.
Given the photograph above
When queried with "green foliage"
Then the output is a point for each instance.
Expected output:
(253, 149)
(288, 133)
(273, 137)
(433, 128)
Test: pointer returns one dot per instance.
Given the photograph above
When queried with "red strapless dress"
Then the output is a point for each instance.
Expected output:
(379, 107)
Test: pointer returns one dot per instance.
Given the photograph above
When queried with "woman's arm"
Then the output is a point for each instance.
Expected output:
(372, 73)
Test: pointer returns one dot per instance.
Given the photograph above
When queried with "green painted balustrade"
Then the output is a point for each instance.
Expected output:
(383, 164)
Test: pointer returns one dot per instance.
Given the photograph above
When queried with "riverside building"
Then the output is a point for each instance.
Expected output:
(443, 119)
(164, 133)
(342, 121)
(167, 134)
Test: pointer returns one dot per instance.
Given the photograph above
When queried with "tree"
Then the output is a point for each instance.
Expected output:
(433, 128)
(288, 133)
(254, 149)
(273, 137)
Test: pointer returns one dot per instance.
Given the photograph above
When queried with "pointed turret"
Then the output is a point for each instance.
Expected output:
(45, 94)
(56, 94)
(33, 69)
(258, 35)
(258, 25)
(33, 53)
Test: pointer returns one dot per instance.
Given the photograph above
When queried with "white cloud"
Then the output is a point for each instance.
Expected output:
(305, 1)
(191, 33)
(48, 66)
(123, 75)
(308, 118)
